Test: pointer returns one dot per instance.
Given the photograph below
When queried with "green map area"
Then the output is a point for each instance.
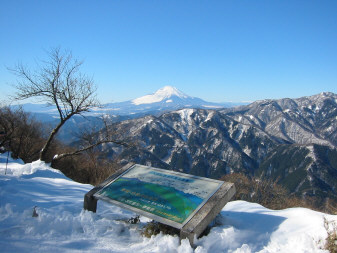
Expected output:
(163, 201)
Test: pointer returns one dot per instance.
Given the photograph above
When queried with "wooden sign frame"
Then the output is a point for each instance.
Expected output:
(183, 201)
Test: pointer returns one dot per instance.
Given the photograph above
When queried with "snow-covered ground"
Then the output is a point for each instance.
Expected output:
(62, 225)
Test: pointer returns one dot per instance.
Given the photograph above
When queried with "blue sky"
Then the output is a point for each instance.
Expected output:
(216, 50)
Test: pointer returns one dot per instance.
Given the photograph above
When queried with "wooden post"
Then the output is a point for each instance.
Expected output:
(207, 213)
(90, 202)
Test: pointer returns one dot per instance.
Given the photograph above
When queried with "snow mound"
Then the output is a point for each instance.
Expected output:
(160, 95)
(34, 169)
(63, 226)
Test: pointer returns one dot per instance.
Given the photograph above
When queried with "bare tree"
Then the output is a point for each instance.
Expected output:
(58, 82)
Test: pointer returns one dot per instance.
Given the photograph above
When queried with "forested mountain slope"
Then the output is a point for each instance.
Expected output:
(290, 140)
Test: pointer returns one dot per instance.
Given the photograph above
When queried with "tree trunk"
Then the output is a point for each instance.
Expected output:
(44, 150)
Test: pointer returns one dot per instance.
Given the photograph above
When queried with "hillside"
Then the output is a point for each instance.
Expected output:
(62, 226)
(290, 140)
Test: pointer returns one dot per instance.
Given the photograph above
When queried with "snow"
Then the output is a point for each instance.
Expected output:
(185, 115)
(210, 115)
(159, 95)
(213, 106)
(63, 226)
(247, 151)
(311, 153)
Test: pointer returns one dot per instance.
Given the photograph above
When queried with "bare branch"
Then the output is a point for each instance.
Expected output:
(79, 151)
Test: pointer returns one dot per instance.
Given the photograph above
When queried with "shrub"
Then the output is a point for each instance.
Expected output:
(87, 167)
(263, 191)
(23, 135)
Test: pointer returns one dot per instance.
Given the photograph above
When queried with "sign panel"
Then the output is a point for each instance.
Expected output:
(165, 196)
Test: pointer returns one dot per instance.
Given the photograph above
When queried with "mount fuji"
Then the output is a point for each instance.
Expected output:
(165, 99)
(162, 95)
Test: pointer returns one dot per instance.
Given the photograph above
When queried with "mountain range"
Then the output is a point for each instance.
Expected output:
(167, 98)
(163, 100)
(292, 141)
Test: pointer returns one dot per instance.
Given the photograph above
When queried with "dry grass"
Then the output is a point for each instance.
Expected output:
(154, 228)
(331, 240)
(264, 192)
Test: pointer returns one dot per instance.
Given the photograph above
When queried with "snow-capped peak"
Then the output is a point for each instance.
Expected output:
(160, 95)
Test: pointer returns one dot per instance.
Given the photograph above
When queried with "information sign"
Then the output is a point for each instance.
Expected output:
(166, 196)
